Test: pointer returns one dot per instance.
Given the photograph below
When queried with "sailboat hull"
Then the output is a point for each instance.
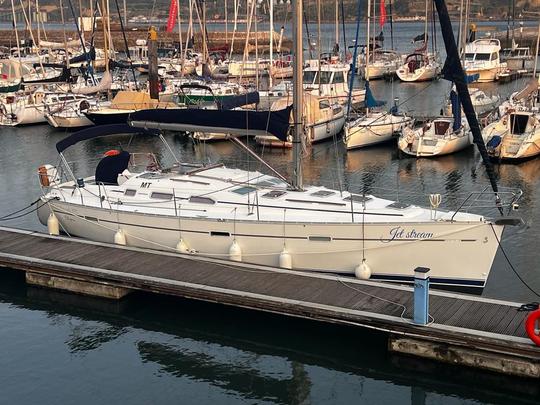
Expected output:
(392, 250)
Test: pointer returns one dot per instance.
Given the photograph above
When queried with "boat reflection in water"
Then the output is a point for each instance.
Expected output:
(165, 348)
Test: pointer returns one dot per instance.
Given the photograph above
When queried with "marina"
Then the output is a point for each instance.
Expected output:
(340, 168)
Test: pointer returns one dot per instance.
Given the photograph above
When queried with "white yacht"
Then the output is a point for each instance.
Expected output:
(249, 216)
(518, 58)
(384, 62)
(331, 80)
(419, 67)
(24, 109)
(482, 57)
(322, 119)
(515, 136)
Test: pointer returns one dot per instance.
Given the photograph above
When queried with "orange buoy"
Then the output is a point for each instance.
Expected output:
(530, 327)
(112, 152)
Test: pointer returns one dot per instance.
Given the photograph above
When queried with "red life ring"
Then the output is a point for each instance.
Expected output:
(112, 152)
(530, 326)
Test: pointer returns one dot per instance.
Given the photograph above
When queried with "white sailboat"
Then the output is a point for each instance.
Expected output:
(438, 137)
(421, 65)
(376, 126)
(257, 218)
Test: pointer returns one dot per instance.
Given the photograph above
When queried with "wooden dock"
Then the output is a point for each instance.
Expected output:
(466, 330)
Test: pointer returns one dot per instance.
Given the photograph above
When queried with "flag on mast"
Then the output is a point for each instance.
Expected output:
(173, 10)
(382, 14)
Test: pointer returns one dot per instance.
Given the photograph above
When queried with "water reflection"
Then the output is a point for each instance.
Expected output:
(222, 354)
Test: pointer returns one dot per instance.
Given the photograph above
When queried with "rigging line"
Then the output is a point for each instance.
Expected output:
(511, 265)
(23, 214)
(6, 217)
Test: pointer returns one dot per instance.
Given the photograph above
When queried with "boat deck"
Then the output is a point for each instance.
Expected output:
(460, 323)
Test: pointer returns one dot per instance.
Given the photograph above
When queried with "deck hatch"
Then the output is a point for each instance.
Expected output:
(274, 194)
(201, 200)
(322, 193)
(161, 196)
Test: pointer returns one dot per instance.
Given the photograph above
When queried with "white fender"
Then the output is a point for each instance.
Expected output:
(182, 247)
(53, 226)
(285, 259)
(362, 271)
(235, 253)
(120, 237)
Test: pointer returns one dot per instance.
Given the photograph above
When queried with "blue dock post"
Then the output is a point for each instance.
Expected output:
(421, 296)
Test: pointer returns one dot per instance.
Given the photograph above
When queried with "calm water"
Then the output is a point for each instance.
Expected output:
(60, 348)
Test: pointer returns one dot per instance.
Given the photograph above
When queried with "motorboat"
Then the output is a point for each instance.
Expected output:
(322, 119)
(330, 79)
(482, 57)
(518, 58)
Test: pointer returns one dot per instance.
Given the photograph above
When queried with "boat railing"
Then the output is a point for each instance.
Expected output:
(505, 198)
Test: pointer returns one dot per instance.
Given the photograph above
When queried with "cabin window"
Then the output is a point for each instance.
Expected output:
(130, 192)
(494, 56)
(326, 77)
(320, 238)
(219, 233)
(309, 76)
(323, 193)
(274, 194)
(161, 196)
(338, 77)
(357, 198)
(337, 110)
(324, 104)
(469, 56)
(244, 190)
(201, 200)
(482, 56)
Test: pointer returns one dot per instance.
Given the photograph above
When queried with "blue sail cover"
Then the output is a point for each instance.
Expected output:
(234, 122)
(96, 132)
(456, 110)
(370, 101)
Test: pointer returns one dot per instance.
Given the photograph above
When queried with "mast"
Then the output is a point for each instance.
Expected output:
(425, 28)
(336, 47)
(297, 180)
(366, 75)
(453, 71)
(270, 78)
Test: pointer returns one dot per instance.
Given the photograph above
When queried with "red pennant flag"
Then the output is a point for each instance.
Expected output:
(173, 10)
(382, 14)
